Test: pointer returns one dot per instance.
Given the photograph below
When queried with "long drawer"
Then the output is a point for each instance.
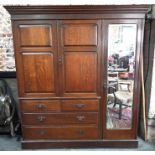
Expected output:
(40, 106)
(60, 118)
(57, 133)
(80, 105)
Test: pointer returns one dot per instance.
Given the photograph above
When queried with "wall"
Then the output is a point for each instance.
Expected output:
(152, 100)
(7, 62)
(150, 58)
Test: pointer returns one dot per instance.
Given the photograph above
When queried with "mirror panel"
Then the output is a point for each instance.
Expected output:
(120, 75)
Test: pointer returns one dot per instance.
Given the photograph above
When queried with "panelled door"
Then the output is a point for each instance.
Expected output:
(36, 51)
(79, 57)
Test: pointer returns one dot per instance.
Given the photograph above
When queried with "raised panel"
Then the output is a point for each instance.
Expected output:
(80, 72)
(35, 35)
(38, 70)
(79, 34)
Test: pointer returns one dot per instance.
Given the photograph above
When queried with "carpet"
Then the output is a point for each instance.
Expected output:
(125, 122)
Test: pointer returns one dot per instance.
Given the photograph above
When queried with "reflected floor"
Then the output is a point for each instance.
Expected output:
(113, 121)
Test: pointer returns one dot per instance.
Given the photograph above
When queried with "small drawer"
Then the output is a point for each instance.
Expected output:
(63, 133)
(80, 105)
(60, 118)
(40, 106)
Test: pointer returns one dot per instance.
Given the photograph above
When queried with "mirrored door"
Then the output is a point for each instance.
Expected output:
(120, 75)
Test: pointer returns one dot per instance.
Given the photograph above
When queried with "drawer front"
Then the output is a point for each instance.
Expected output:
(60, 118)
(80, 105)
(40, 106)
(30, 133)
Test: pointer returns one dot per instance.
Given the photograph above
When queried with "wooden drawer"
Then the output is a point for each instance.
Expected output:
(60, 118)
(31, 133)
(80, 105)
(40, 106)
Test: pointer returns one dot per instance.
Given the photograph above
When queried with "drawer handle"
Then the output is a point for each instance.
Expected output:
(80, 118)
(41, 132)
(80, 132)
(79, 106)
(41, 118)
(40, 106)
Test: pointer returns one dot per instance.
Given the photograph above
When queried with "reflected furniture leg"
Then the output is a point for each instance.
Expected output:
(120, 110)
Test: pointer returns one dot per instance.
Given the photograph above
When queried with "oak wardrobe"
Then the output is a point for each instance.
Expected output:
(78, 74)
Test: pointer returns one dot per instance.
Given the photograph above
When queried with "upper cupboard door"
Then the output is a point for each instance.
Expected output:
(36, 54)
(80, 43)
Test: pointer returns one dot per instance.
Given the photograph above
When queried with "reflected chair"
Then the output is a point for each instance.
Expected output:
(120, 96)
(112, 87)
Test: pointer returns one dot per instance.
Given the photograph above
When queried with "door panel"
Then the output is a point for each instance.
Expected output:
(35, 35)
(38, 73)
(80, 45)
(79, 76)
(80, 34)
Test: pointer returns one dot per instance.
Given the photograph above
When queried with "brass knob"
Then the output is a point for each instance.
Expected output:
(79, 105)
(41, 118)
(80, 132)
(60, 60)
(40, 106)
(41, 132)
(80, 118)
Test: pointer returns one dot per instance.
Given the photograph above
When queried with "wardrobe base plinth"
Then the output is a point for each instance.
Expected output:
(79, 144)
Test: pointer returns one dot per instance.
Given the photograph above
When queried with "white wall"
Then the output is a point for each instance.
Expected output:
(152, 100)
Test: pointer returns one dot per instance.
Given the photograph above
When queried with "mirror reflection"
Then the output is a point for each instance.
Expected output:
(120, 80)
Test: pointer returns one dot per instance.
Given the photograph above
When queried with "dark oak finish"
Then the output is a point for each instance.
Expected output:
(35, 35)
(34, 58)
(79, 144)
(85, 72)
(61, 54)
(75, 46)
(34, 67)
(80, 105)
(60, 118)
(75, 33)
(72, 133)
(40, 106)
(84, 9)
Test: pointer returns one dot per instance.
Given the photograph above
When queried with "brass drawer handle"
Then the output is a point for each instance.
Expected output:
(41, 132)
(79, 106)
(40, 106)
(41, 118)
(80, 132)
(80, 118)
